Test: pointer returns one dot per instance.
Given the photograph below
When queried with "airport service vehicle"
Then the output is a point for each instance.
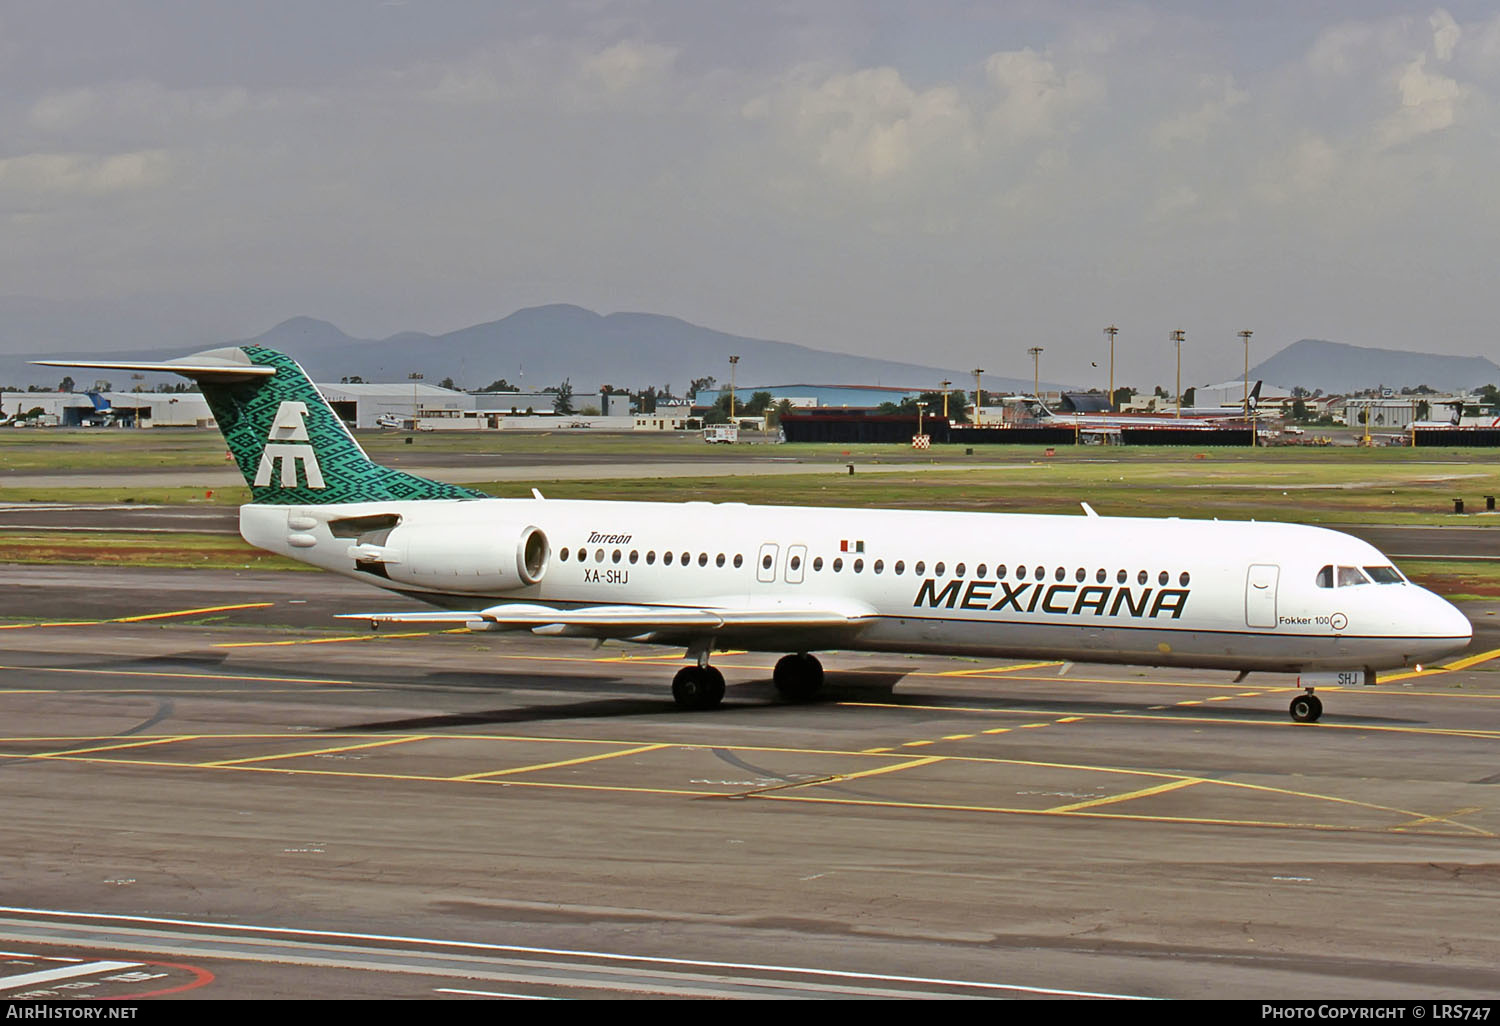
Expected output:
(1162, 592)
(721, 434)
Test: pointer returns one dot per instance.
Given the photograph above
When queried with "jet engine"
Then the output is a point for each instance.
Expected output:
(459, 557)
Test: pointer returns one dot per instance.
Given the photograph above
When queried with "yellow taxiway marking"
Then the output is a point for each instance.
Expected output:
(324, 641)
(1424, 820)
(222, 763)
(561, 762)
(192, 612)
(1145, 792)
(667, 658)
(993, 670)
(916, 744)
(117, 747)
(59, 623)
(138, 619)
(839, 778)
(1487, 735)
(177, 675)
(1473, 660)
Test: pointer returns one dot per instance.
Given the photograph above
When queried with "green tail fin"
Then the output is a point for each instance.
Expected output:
(294, 450)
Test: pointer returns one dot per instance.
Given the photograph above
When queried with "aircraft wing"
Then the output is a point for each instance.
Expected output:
(647, 623)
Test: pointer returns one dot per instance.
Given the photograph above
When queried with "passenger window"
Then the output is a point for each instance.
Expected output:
(766, 561)
(838, 564)
(666, 559)
(1000, 572)
(1020, 573)
(900, 567)
(1384, 574)
(1141, 578)
(879, 566)
(1325, 577)
(958, 571)
(563, 555)
(1059, 573)
(1079, 575)
(859, 566)
(1162, 578)
(617, 555)
(719, 559)
(703, 559)
(796, 562)
(739, 560)
(817, 563)
(1183, 578)
(920, 568)
(1349, 576)
(1039, 572)
(651, 557)
(1120, 577)
(1100, 575)
(937, 571)
(634, 556)
(599, 556)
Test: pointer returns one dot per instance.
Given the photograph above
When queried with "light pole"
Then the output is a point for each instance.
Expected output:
(1179, 336)
(1112, 331)
(977, 394)
(1245, 337)
(945, 385)
(732, 361)
(1036, 373)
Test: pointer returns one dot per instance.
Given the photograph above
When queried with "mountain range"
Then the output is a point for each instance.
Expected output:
(541, 346)
(1337, 368)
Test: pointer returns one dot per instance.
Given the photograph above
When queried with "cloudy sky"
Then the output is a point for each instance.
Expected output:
(948, 182)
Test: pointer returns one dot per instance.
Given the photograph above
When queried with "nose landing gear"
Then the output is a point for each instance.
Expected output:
(1306, 708)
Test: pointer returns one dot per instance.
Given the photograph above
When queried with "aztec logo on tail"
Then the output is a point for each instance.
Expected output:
(289, 426)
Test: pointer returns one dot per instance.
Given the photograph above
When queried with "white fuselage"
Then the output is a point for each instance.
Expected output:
(1211, 594)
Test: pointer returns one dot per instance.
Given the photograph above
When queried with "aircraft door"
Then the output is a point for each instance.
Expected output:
(765, 563)
(1260, 595)
(796, 560)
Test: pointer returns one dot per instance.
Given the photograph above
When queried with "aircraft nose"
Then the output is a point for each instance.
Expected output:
(1444, 623)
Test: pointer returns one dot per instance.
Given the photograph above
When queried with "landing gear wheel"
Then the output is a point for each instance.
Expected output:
(697, 687)
(798, 678)
(1306, 708)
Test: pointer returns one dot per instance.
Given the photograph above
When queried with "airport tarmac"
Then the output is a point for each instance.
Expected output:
(213, 790)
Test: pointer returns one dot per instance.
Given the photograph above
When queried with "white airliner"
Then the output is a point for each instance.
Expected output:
(1159, 592)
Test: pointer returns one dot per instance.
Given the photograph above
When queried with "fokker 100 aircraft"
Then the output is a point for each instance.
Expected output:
(1160, 592)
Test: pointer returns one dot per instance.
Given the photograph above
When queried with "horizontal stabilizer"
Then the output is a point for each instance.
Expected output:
(231, 364)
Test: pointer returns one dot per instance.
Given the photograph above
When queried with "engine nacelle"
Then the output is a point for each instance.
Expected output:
(463, 558)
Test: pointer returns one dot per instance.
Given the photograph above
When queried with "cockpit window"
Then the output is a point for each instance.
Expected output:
(1325, 577)
(1350, 576)
(1384, 575)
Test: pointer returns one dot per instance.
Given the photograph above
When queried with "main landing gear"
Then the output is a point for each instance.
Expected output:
(798, 678)
(698, 687)
(1306, 708)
